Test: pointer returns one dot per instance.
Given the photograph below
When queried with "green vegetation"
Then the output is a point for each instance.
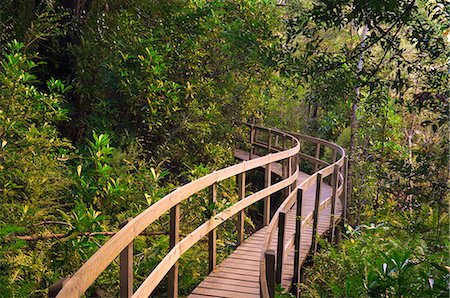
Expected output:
(106, 106)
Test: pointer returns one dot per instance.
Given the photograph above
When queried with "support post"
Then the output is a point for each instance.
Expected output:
(270, 272)
(212, 236)
(280, 246)
(267, 183)
(294, 168)
(316, 164)
(345, 192)
(297, 239)
(174, 239)
(289, 173)
(126, 268)
(333, 158)
(316, 214)
(252, 137)
(54, 289)
(269, 142)
(333, 202)
(241, 214)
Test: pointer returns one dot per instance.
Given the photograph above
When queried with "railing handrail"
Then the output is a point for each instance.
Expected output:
(95, 265)
(290, 200)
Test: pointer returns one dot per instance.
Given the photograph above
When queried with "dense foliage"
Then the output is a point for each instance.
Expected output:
(106, 106)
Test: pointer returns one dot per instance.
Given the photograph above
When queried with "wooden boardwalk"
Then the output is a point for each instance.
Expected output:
(252, 269)
(239, 274)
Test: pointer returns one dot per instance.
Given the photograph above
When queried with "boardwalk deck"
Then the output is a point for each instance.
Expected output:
(238, 275)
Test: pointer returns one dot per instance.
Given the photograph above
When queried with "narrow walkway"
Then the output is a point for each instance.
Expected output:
(238, 275)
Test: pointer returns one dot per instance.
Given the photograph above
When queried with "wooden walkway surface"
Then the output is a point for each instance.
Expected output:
(238, 275)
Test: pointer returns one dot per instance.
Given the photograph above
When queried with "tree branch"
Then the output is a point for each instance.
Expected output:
(87, 234)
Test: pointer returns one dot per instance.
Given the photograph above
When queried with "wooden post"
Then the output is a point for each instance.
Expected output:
(280, 246)
(212, 236)
(277, 137)
(289, 172)
(333, 202)
(270, 272)
(126, 267)
(297, 238)
(269, 142)
(267, 183)
(316, 164)
(54, 289)
(316, 214)
(333, 158)
(126, 271)
(294, 168)
(284, 192)
(252, 136)
(345, 192)
(174, 239)
(241, 214)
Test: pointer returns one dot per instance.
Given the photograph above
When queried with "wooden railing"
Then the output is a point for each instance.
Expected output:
(282, 147)
(271, 265)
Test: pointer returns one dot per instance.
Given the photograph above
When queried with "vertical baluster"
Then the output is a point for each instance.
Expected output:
(316, 164)
(284, 169)
(277, 138)
(174, 239)
(289, 172)
(212, 236)
(334, 185)
(126, 267)
(269, 141)
(267, 183)
(344, 193)
(280, 246)
(333, 158)
(252, 137)
(241, 214)
(54, 289)
(270, 272)
(297, 238)
(316, 214)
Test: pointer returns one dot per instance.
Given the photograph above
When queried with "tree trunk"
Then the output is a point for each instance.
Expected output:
(353, 120)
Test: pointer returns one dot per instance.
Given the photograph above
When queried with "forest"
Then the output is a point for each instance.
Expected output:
(106, 106)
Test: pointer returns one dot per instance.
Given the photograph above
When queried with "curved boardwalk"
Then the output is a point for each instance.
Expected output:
(263, 258)
(238, 275)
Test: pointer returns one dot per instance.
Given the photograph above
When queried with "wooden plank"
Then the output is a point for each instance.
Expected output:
(232, 260)
(229, 287)
(234, 275)
(230, 281)
(239, 271)
(223, 293)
